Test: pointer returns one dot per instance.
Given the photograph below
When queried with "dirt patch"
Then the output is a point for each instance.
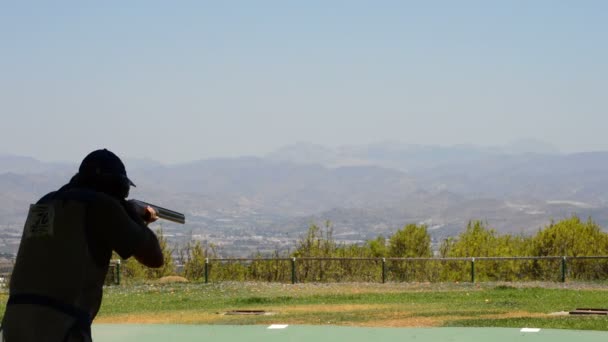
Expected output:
(330, 308)
(404, 322)
(172, 279)
(409, 319)
(402, 319)
(191, 317)
(515, 314)
(378, 316)
(182, 317)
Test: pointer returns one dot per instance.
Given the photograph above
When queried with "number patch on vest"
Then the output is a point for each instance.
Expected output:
(39, 221)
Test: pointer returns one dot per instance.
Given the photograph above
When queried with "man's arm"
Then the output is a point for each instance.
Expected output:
(124, 230)
(150, 253)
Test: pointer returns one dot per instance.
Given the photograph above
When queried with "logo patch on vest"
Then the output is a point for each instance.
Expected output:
(39, 221)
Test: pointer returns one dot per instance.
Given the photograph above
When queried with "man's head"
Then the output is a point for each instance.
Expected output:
(105, 172)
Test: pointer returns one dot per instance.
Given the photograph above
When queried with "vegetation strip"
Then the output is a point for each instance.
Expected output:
(571, 249)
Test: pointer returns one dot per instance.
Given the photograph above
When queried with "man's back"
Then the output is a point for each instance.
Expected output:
(57, 283)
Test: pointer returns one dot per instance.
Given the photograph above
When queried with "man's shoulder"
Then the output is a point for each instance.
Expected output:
(47, 198)
(87, 196)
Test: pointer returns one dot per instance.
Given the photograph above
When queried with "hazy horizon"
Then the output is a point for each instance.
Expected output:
(197, 80)
(514, 147)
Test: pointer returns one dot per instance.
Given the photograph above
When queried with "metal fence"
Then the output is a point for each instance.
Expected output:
(382, 270)
(114, 273)
(477, 269)
(113, 276)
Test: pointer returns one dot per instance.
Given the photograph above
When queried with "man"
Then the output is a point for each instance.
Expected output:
(68, 239)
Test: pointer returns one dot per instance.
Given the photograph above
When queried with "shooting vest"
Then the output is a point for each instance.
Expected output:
(56, 287)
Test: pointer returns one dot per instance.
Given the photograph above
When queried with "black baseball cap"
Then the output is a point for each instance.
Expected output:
(103, 163)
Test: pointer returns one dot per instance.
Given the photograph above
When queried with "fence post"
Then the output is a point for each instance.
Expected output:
(117, 272)
(472, 270)
(293, 270)
(563, 269)
(383, 270)
(206, 270)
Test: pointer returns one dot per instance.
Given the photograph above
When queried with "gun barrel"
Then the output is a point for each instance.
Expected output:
(165, 213)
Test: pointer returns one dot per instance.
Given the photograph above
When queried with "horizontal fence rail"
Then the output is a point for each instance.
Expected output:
(382, 270)
(469, 269)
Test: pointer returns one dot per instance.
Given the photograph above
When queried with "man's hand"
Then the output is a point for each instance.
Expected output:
(147, 213)
(150, 215)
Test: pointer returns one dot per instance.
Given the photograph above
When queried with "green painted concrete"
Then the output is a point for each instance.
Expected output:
(258, 333)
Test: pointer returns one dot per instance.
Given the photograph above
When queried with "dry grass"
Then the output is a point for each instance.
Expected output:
(437, 321)
(175, 317)
(378, 316)
(172, 279)
(356, 304)
(330, 308)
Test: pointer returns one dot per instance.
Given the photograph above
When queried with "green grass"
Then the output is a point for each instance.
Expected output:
(457, 305)
(577, 323)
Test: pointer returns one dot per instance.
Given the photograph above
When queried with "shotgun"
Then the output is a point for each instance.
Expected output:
(161, 212)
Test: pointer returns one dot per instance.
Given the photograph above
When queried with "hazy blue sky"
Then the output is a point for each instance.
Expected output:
(178, 80)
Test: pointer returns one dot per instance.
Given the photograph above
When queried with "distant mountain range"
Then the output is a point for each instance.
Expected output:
(363, 190)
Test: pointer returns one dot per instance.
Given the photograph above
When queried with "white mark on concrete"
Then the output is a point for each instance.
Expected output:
(278, 326)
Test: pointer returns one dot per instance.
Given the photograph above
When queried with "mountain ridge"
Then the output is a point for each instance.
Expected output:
(267, 196)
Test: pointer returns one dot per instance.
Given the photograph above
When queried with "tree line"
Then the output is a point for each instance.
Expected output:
(570, 237)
